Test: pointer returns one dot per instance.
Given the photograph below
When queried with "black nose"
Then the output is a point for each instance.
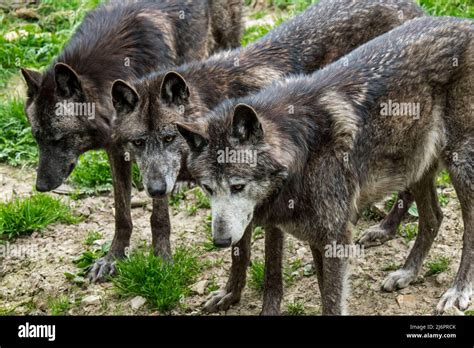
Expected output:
(156, 189)
(222, 242)
(42, 187)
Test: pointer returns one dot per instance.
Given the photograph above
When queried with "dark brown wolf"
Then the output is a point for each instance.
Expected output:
(70, 108)
(146, 111)
(328, 144)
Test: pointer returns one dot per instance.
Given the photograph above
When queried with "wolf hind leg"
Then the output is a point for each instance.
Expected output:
(387, 229)
(462, 177)
(430, 218)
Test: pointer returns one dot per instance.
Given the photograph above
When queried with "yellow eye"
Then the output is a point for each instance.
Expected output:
(169, 139)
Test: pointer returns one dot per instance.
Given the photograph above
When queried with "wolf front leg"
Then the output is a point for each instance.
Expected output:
(332, 265)
(122, 182)
(221, 300)
(161, 228)
(273, 282)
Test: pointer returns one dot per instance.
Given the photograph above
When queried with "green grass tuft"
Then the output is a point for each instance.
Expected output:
(21, 216)
(295, 308)
(59, 305)
(438, 265)
(257, 275)
(163, 284)
(408, 231)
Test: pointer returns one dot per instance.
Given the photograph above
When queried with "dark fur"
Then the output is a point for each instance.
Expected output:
(321, 34)
(151, 35)
(337, 153)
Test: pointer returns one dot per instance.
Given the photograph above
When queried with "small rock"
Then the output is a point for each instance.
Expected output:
(137, 302)
(301, 252)
(406, 300)
(309, 270)
(200, 287)
(91, 300)
(442, 278)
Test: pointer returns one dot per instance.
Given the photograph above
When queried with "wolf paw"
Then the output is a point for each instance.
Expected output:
(102, 269)
(375, 236)
(221, 300)
(398, 280)
(455, 297)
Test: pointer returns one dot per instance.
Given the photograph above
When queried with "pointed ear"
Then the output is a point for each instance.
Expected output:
(124, 97)
(245, 124)
(33, 80)
(67, 81)
(193, 134)
(174, 90)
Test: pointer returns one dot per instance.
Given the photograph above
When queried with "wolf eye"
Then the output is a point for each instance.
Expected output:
(138, 142)
(208, 189)
(169, 138)
(236, 188)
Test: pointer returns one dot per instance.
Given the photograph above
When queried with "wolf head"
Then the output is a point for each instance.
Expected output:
(145, 116)
(64, 121)
(233, 159)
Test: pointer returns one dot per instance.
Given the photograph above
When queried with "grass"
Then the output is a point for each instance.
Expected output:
(438, 265)
(295, 308)
(201, 201)
(163, 284)
(23, 215)
(458, 8)
(408, 231)
(91, 237)
(257, 275)
(59, 305)
(92, 174)
(17, 145)
(38, 41)
(392, 266)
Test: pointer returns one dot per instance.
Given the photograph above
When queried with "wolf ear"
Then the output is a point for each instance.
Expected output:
(245, 124)
(174, 90)
(194, 136)
(33, 80)
(67, 81)
(124, 97)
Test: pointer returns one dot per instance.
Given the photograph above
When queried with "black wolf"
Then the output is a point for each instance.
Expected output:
(70, 108)
(146, 111)
(387, 121)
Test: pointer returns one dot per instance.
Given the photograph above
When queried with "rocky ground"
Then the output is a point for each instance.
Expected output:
(30, 280)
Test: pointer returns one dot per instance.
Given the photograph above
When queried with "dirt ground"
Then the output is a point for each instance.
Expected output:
(29, 280)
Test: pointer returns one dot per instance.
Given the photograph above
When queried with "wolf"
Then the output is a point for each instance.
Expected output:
(147, 109)
(121, 40)
(336, 151)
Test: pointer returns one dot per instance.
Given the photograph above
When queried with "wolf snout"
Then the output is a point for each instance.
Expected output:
(156, 188)
(222, 242)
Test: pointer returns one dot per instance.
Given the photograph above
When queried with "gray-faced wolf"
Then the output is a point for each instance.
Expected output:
(70, 108)
(146, 111)
(338, 150)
